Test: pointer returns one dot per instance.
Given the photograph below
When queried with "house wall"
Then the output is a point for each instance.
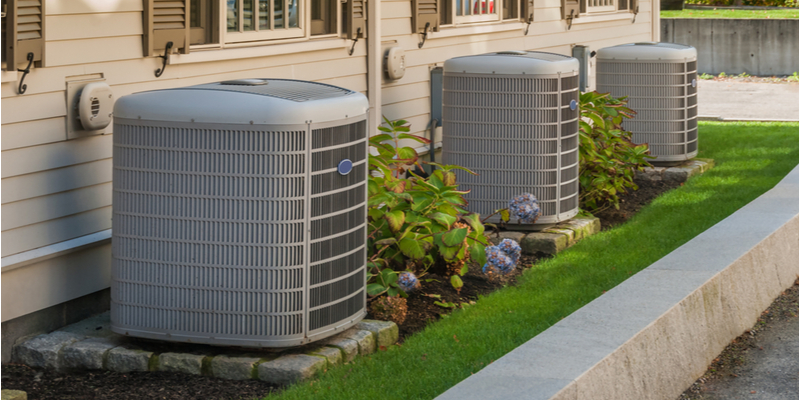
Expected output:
(55, 189)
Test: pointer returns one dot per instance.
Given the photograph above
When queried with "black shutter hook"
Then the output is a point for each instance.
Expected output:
(160, 71)
(424, 34)
(25, 72)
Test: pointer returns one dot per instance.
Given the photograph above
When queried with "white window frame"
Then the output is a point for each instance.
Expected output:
(259, 35)
(603, 7)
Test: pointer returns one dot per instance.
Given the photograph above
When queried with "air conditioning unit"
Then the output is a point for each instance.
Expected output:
(512, 117)
(660, 81)
(239, 213)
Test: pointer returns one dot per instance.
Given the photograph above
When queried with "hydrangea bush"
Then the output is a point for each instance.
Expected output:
(415, 222)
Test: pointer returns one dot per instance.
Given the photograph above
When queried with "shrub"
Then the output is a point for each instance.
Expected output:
(416, 222)
(760, 3)
(609, 159)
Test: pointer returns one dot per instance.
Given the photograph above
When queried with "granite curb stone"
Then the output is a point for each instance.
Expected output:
(678, 173)
(386, 333)
(43, 351)
(181, 362)
(236, 368)
(120, 359)
(290, 369)
(86, 354)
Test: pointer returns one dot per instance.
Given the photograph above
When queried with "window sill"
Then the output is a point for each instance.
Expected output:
(9, 76)
(465, 30)
(208, 55)
(616, 16)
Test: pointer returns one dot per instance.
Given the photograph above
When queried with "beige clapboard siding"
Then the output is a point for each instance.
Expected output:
(55, 155)
(31, 133)
(90, 26)
(56, 180)
(395, 9)
(57, 230)
(43, 208)
(34, 106)
(65, 7)
(93, 50)
(140, 70)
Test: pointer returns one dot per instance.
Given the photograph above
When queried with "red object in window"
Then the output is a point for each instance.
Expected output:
(478, 6)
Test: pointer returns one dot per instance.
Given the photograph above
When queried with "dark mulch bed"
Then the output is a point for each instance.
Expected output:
(632, 202)
(161, 385)
(45, 384)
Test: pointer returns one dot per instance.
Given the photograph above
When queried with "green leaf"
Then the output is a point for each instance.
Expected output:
(477, 252)
(374, 289)
(454, 237)
(474, 221)
(464, 270)
(449, 178)
(445, 305)
(444, 219)
(505, 215)
(421, 202)
(389, 277)
(456, 281)
(407, 153)
(375, 213)
(387, 241)
(413, 249)
(414, 137)
(396, 185)
(449, 253)
(395, 220)
(380, 138)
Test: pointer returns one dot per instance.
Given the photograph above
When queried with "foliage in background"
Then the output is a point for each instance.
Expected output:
(783, 13)
(416, 222)
(759, 3)
(608, 158)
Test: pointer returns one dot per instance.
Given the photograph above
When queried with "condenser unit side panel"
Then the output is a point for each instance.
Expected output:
(338, 227)
(664, 96)
(520, 134)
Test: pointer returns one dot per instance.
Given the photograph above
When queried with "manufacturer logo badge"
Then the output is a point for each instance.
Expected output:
(345, 166)
(573, 105)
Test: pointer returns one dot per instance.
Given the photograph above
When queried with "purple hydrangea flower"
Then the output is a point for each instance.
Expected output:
(511, 248)
(525, 207)
(407, 281)
(498, 260)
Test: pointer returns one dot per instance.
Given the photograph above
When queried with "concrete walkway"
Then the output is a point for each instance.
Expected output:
(748, 100)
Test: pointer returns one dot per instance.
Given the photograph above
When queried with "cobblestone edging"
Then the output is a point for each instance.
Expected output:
(554, 239)
(678, 173)
(90, 344)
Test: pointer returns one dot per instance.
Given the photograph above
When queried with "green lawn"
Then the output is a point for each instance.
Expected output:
(750, 159)
(789, 13)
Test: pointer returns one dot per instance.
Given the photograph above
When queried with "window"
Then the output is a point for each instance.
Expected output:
(456, 12)
(217, 23)
(604, 6)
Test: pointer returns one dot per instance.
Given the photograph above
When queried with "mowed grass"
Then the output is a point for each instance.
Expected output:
(789, 13)
(751, 158)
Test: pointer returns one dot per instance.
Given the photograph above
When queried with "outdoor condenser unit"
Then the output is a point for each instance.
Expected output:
(239, 213)
(512, 117)
(660, 80)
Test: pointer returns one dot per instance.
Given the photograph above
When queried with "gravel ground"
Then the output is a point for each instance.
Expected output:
(761, 364)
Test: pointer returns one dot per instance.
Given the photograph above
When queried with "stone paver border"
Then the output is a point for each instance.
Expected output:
(84, 346)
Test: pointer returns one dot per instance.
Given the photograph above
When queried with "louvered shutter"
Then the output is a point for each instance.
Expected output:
(527, 10)
(166, 21)
(25, 32)
(570, 7)
(424, 12)
(357, 15)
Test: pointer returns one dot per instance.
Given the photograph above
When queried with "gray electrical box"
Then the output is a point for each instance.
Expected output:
(584, 56)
